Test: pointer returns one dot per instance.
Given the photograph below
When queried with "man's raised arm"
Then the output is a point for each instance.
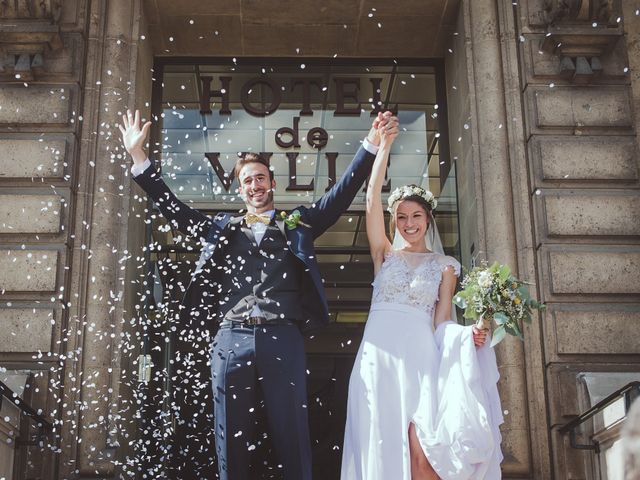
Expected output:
(336, 201)
(187, 220)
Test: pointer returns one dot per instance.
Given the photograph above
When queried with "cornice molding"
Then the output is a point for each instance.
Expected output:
(29, 29)
(578, 12)
(580, 32)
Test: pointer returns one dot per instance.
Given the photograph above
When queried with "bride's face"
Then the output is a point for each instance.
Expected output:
(411, 221)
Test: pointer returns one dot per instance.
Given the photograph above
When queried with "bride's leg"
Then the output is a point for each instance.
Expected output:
(421, 469)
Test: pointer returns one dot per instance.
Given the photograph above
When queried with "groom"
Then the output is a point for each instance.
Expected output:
(257, 278)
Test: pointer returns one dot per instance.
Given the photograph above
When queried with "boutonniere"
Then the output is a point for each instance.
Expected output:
(292, 220)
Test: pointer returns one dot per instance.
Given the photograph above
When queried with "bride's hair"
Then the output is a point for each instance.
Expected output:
(414, 198)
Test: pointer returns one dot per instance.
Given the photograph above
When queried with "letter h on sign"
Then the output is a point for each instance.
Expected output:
(207, 95)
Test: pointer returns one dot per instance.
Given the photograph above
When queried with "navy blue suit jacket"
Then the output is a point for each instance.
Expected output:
(214, 233)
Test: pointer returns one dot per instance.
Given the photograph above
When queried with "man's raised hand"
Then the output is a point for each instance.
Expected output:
(380, 120)
(133, 137)
(388, 129)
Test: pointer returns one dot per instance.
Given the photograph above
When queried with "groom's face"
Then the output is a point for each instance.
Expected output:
(256, 188)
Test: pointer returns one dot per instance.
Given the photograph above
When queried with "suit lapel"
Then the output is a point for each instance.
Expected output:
(238, 222)
(249, 233)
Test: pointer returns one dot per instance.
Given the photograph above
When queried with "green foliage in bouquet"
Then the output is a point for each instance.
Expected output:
(492, 292)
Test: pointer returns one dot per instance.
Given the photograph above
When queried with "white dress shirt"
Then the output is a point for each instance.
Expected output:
(260, 228)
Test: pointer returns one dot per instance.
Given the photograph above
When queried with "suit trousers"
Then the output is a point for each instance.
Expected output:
(260, 397)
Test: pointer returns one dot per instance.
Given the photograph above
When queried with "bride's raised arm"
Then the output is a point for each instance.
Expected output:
(379, 244)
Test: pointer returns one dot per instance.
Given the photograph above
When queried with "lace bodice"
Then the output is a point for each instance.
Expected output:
(411, 279)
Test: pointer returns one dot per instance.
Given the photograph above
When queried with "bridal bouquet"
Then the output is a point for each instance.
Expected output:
(493, 293)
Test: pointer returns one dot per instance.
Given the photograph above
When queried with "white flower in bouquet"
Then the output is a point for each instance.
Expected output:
(484, 279)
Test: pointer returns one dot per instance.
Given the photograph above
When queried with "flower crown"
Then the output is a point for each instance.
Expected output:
(405, 191)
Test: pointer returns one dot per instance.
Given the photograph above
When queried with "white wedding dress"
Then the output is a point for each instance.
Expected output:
(405, 372)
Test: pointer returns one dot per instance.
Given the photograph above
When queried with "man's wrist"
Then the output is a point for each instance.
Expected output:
(370, 147)
(373, 138)
(139, 168)
(138, 156)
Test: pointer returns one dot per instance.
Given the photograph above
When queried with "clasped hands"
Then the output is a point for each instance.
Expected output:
(386, 127)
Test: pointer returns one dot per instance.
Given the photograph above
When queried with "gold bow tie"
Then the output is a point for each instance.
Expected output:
(252, 218)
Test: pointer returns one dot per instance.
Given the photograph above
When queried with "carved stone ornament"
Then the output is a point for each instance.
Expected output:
(29, 29)
(578, 11)
(580, 32)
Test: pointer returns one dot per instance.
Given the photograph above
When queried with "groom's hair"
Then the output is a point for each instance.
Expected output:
(251, 158)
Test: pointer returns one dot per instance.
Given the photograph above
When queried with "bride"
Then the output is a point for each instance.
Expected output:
(423, 402)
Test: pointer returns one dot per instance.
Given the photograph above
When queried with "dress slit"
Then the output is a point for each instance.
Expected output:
(426, 455)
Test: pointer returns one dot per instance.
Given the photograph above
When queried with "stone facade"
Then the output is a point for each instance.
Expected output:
(544, 118)
(582, 150)
(562, 144)
(64, 222)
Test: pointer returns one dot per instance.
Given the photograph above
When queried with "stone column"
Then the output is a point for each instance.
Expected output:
(98, 427)
(632, 37)
(496, 212)
(535, 393)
